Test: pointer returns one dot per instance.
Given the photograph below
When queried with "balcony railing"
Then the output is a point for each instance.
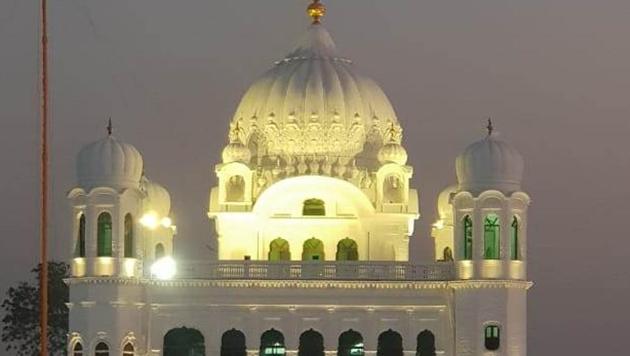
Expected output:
(317, 270)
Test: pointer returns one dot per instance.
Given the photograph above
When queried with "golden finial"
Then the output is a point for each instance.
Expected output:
(316, 10)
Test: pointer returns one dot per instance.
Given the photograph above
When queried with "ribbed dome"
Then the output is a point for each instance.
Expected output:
(236, 152)
(109, 163)
(392, 153)
(158, 199)
(490, 163)
(313, 103)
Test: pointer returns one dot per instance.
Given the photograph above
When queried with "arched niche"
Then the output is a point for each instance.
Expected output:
(313, 250)
(184, 341)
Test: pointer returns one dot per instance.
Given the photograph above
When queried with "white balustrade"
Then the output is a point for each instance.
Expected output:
(317, 270)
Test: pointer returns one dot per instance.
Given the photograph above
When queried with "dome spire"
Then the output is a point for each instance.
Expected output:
(489, 127)
(110, 128)
(316, 10)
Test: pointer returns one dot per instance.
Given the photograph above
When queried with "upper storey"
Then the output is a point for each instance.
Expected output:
(313, 105)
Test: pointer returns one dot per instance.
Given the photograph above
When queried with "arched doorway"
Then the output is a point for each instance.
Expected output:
(272, 343)
(233, 343)
(313, 250)
(389, 344)
(279, 250)
(350, 344)
(184, 342)
(235, 189)
(426, 344)
(347, 250)
(311, 344)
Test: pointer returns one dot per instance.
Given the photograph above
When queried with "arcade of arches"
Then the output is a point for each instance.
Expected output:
(313, 250)
(190, 342)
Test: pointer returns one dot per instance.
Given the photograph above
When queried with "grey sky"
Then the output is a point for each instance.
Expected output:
(554, 75)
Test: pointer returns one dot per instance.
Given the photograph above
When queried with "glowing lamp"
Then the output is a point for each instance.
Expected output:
(166, 222)
(164, 268)
(439, 224)
(150, 220)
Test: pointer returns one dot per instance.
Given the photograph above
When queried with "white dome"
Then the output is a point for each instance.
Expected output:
(313, 103)
(109, 163)
(236, 152)
(490, 163)
(444, 207)
(392, 153)
(158, 199)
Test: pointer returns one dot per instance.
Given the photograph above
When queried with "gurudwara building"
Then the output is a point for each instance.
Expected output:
(313, 212)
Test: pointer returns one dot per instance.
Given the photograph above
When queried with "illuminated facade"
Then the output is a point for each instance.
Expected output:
(313, 211)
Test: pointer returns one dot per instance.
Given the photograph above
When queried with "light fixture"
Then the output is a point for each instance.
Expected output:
(166, 222)
(439, 224)
(164, 268)
(150, 220)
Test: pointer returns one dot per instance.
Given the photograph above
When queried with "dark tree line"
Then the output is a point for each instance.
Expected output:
(20, 322)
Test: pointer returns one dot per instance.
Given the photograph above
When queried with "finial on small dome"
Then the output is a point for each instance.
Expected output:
(489, 127)
(110, 128)
(316, 10)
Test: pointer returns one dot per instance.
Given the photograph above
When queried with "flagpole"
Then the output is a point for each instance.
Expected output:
(43, 224)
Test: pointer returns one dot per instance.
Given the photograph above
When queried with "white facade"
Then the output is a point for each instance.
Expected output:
(313, 212)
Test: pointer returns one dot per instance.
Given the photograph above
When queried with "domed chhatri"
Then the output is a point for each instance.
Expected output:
(314, 104)
(109, 162)
(393, 151)
(316, 10)
(158, 200)
(236, 151)
(490, 163)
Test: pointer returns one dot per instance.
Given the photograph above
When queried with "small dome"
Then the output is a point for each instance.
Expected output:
(158, 199)
(490, 163)
(236, 152)
(392, 153)
(109, 163)
(444, 207)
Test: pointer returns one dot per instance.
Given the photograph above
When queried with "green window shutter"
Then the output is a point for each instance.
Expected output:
(129, 236)
(514, 239)
(104, 235)
(468, 237)
(80, 246)
(491, 237)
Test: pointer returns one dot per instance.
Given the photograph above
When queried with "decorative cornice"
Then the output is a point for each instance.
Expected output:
(305, 284)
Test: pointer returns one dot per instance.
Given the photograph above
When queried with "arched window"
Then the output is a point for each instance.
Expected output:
(393, 190)
(514, 239)
(159, 251)
(426, 344)
(279, 250)
(389, 344)
(128, 350)
(347, 250)
(235, 189)
(491, 237)
(104, 235)
(77, 350)
(233, 343)
(447, 254)
(101, 349)
(272, 343)
(314, 207)
(80, 247)
(468, 237)
(311, 344)
(184, 341)
(313, 250)
(350, 344)
(492, 337)
(129, 236)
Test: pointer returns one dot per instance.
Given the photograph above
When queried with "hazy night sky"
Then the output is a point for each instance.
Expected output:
(554, 75)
